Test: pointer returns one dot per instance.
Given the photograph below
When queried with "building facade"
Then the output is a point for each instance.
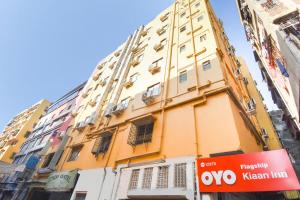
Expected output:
(18, 129)
(273, 29)
(171, 93)
(47, 135)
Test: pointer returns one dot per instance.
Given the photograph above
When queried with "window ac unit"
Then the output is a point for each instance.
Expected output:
(158, 47)
(154, 69)
(128, 83)
(251, 106)
(160, 31)
(119, 109)
(238, 74)
(109, 109)
(134, 62)
(135, 49)
(148, 97)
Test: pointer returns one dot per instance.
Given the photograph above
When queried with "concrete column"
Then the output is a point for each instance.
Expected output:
(154, 178)
(171, 176)
(141, 177)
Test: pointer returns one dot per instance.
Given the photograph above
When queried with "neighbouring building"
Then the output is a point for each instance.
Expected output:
(174, 91)
(45, 142)
(18, 129)
(273, 29)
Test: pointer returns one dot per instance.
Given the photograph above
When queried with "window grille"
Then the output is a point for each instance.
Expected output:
(134, 179)
(162, 179)
(147, 178)
(180, 175)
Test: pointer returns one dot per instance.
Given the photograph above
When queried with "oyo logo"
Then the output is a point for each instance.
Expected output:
(227, 176)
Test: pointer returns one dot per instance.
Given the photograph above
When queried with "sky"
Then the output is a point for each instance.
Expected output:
(49, 47)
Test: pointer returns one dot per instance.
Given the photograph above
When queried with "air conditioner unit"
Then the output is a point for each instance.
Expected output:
(251, 106)
(238, 74)
(119, 109)
(109, 109)
(135, 49)
(96, 77)
(128, 83)
(158, 47)
(134, 62)
(148, 97)
(154, 69)
(80, 125)
(102, 82)
(160, 31)
(92, 103)
(164, 17)
(144, 33)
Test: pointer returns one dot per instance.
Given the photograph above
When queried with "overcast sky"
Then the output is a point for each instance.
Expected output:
(49, 47)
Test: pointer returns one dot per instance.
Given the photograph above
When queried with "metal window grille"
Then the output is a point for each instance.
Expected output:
(162, 180)
(180, 175)
(144, 133)
(134, 179)
(147, 178)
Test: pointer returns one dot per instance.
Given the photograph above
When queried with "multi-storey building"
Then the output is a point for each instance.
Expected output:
(173, 92)
(45, 140)
(18, 129)
(273, 29)
(264, 122)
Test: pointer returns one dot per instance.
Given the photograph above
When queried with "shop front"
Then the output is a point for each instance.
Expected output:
(59, 186)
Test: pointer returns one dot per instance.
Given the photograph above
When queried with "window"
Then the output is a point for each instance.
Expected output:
(200, 18)
(134, 179)
(133, 77)
(96, 87)
(182, 48)
(140, 57)
(206, 65)
(75, 153)
(125, 102)
(147, 178)
(47, 160)
(162, 179)
(183, 76)
(182, 14)
(182, 29)
(98, 98)
(163, 42)
(80, 196)
(157, 62)
(154, 90)
(203, 37)
(69, 107)
(144, 133)
(180, 175)
(105, 142)
(197, 4)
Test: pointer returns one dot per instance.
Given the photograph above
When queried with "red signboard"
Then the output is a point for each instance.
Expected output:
(254, 172)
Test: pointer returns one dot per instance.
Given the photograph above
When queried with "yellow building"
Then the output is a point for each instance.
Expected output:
(18, 129)
(173, 92)
(264, 124)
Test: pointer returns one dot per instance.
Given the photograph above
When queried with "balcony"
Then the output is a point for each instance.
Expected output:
(154, 69)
